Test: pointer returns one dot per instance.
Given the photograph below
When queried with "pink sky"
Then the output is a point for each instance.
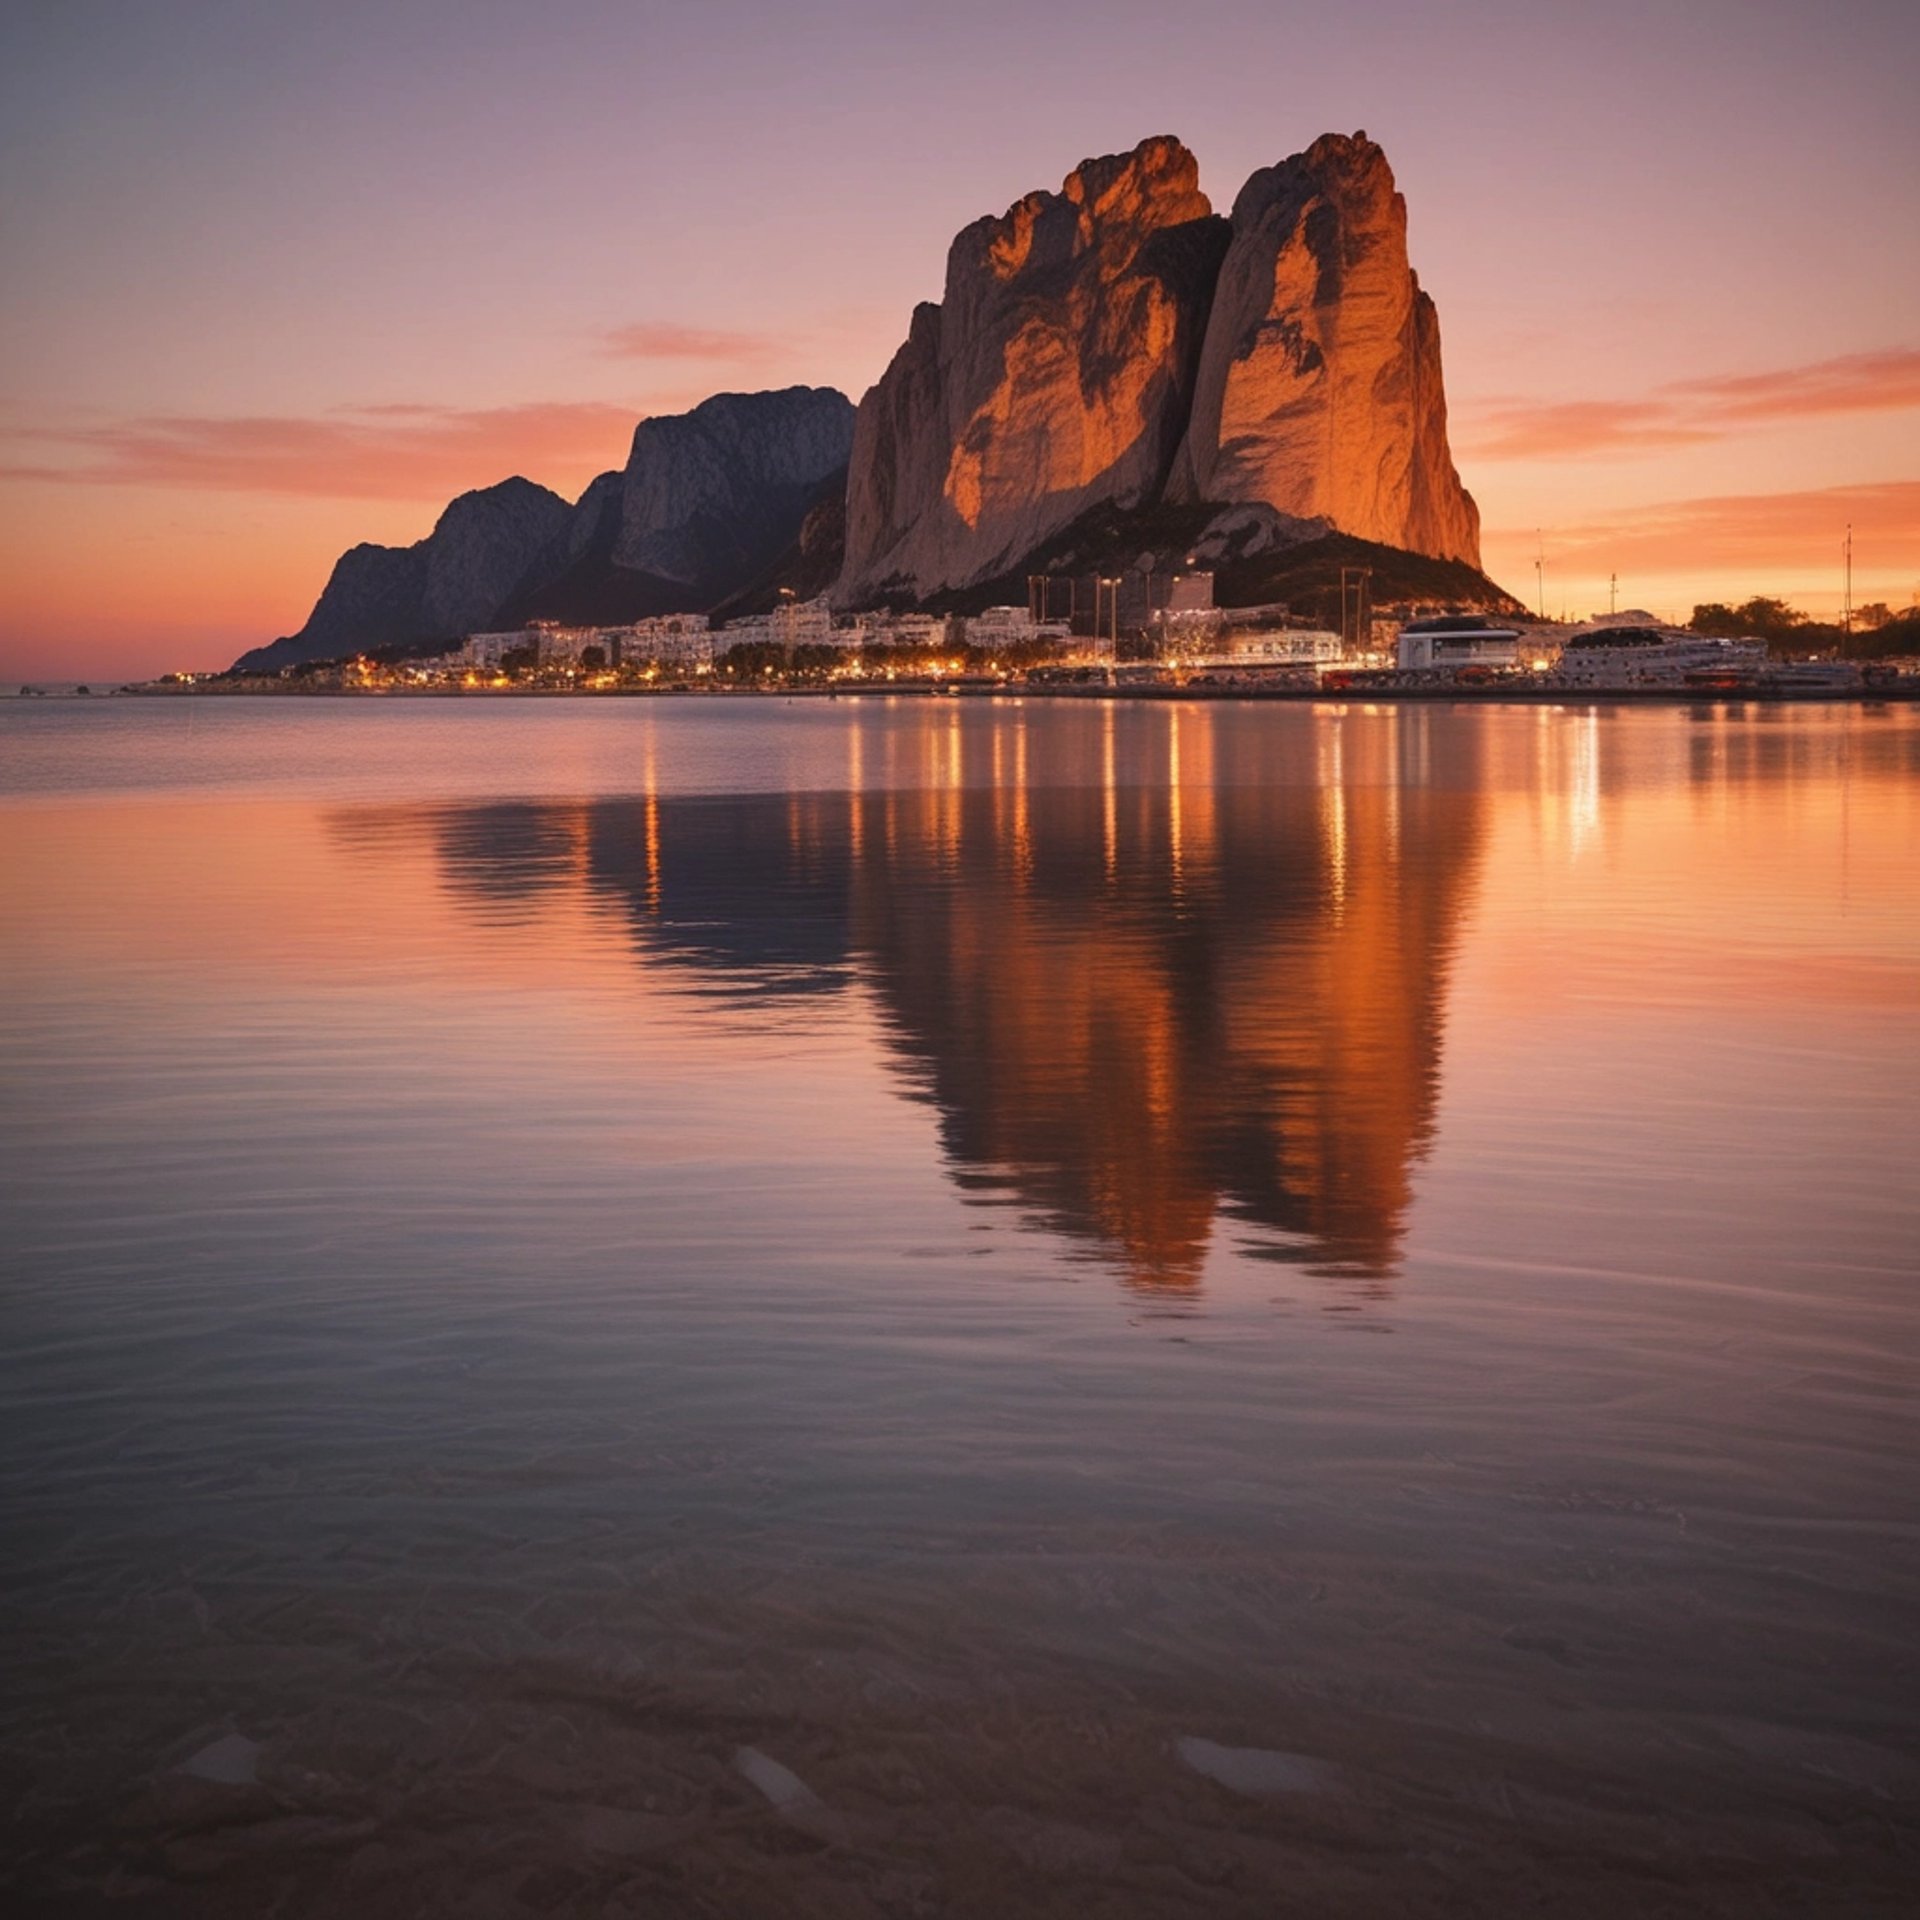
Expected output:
(280, 284)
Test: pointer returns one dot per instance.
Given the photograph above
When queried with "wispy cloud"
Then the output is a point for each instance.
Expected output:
(1756, 532)
(1688, 412)
(668, 340)
(1520, 430)
(1884, 382)
(397, 451)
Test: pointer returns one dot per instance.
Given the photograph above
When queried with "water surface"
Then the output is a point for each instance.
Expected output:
(987, 1253)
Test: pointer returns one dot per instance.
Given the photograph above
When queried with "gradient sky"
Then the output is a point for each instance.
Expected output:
(280, 279)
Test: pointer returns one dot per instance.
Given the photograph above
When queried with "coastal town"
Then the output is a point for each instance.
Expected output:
(1172, 640)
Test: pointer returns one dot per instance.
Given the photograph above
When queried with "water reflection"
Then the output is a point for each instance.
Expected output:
(1139, 1006)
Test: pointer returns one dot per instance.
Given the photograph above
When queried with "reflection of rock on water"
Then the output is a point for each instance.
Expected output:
(1134, 1007)
(1237, 1020)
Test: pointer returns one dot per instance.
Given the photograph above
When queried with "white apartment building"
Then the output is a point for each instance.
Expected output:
(670, 639)
(801, 623)
(488, 649)
(926, 632)
(1001, 627)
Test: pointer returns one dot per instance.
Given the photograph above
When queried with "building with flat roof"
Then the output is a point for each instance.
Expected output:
(1456, 640)
(1274, 647)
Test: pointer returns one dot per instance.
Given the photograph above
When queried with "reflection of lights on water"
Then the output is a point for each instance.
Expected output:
(653, 829)
(1107, 782)
(1584, 787)
(1022, 826)
(856, 783)
(1396, 749)
(1333, 810)
(1173, 791)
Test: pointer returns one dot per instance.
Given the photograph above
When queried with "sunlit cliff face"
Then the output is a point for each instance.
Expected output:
(1074, 393)
(1140, 1007)
(1053, 375)
(1320, 389)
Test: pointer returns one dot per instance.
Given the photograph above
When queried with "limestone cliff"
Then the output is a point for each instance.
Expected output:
(436, 589)
(1319, 391)
(1055, 374)
(706, 502)
(717, 490)
(1114, 346)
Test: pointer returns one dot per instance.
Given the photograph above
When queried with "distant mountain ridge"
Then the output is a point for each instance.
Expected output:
(477, 554)
(706, 502)
(1109, 363)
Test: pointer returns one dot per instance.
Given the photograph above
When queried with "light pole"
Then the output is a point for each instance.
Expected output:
(1112, 587)
(1356, 609)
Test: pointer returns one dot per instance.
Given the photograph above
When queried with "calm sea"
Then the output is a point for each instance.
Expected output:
(806, 1308)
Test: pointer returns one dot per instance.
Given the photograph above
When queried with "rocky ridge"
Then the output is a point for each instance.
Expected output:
(706, 502)
(436, 589)
(1115, 344)
(1056, 373)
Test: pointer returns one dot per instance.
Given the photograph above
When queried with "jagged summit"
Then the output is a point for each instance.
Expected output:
(1115, 344)
(1320, 392)
(1056, 373)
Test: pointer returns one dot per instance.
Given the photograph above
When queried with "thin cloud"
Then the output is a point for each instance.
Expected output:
(396, 451)
(1690, 412)
(1884, 382)
(667, 340)
(1729, 532)
(1518, 431)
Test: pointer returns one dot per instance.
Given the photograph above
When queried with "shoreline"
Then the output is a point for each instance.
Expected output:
(1904, 691)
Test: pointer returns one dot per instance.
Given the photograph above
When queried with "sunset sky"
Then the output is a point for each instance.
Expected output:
(282, 279)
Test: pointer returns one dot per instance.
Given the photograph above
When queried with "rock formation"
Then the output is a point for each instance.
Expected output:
(437, 589)
(705, 504)
(1319, 392)
(717, 491)
(1055, 375)
(1114, 345)
(1112, 370)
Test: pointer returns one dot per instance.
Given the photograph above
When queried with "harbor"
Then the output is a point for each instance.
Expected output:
(1184, 647)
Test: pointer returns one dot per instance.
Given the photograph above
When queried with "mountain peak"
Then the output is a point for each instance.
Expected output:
(1115, 344)
(1052, 375)
(1320, 390)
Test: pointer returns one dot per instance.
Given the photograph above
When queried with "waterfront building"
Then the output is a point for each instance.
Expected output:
(923, 632)
(568, 646)
(1190, 593)
(1454, 640)
(489, 649)
(1274, 647)
(1001, 627)
(669, 640)
(801, 623)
